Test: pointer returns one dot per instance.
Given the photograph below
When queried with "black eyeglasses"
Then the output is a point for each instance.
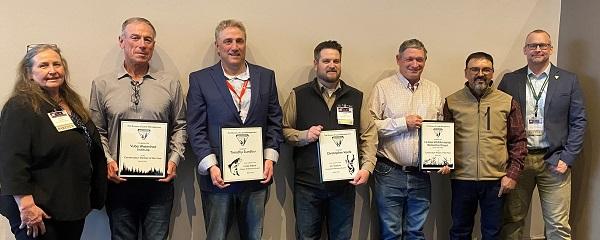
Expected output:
(35, 45)
(135, 96)
(542, 46)
(476, 70)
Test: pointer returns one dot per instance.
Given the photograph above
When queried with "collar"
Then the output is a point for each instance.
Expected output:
(242, 76)
(404, 82)
(122, 73)
(323, 88)
(546, 71)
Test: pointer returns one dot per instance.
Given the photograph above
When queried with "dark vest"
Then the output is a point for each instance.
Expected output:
(311, 110)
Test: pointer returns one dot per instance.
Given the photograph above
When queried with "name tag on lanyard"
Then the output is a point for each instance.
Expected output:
(61, 120)
(345, 115)
(535, 126)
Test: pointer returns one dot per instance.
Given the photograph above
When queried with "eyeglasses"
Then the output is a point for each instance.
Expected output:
(135, 96)
(542, 46)
(35, 45)
(476, 70)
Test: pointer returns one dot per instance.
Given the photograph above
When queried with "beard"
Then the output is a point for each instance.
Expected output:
(325, 77)
(478, 87)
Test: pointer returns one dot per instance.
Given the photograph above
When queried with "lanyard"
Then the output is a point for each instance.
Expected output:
(537, 96)
(242, 92)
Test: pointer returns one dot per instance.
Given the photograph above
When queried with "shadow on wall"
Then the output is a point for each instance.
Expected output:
(578, 52)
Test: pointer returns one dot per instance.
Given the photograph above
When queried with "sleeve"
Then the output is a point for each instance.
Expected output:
(386, 126)
(17, 127)
(99, 117)
(517, 142)
(368, 139)
(177, 121)
(577, 124)
(274, 136)
(99, 180)
(292, 136)
(447, 113)
(197, 124)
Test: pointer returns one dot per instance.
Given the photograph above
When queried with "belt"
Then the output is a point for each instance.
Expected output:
(393, 164)
(537, 150)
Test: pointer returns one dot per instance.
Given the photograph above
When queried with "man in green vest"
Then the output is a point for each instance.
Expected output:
(490, 146)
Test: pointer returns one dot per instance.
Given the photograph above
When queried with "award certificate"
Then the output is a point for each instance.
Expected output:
(338, 155)
(142, 149)
(242, 154)
(436, 145)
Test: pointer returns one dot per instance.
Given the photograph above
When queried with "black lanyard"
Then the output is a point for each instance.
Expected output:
(536, 96)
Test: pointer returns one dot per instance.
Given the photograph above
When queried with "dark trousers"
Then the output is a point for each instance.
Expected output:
(313, 206)
(55, 230)
(466, 195)
(139, 203)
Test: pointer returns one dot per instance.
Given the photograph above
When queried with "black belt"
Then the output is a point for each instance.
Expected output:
(393, 164)
(537, 150)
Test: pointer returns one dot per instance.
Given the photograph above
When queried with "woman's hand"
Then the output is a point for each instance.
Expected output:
(32, 216)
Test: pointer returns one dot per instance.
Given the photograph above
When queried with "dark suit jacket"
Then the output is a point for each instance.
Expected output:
(210, 107)
(65, 177)
(564, 112)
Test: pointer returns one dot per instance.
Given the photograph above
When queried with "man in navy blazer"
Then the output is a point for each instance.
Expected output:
(232, 93)
(555, 121)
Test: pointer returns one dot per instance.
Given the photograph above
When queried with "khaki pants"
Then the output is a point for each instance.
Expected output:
(555, 197)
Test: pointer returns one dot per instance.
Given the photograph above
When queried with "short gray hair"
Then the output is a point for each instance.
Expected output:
(229, 23)
(412, 43)
(136, 20)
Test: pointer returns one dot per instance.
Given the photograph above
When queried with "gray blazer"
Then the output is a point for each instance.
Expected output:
(564, 111)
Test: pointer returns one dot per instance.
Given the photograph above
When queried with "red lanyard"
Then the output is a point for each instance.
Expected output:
(242, 92)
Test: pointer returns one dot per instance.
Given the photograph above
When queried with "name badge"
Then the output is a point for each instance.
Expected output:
(61, 120)
(344, 115)
(535, 127)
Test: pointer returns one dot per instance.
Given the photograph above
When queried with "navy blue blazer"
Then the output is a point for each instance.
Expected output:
(210, 107)
(564, 111)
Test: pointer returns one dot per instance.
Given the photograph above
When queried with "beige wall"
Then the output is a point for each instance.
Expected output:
(281, 36)
(578, 52)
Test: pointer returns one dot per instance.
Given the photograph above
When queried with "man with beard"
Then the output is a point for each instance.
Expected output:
(399, 104)
(554, 114)
(323, 101)
(490, 146)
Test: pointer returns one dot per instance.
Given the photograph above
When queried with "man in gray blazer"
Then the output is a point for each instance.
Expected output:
(555, 121)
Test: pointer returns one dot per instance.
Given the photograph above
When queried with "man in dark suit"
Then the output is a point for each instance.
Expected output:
(555, 123)
(232, 93)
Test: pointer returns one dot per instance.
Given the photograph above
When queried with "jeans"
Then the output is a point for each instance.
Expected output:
(312, 206)
(555, 196)
(465, 197)
(139, 202)
(221, 210)
(402, 199)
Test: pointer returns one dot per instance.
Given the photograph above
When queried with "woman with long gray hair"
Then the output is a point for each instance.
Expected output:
(52, 165)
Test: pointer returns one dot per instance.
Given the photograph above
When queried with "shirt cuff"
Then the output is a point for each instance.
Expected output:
(174, 158)
(369, 166)
(271, 154)
(109, 158)
(206, 163)
(401, 124)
